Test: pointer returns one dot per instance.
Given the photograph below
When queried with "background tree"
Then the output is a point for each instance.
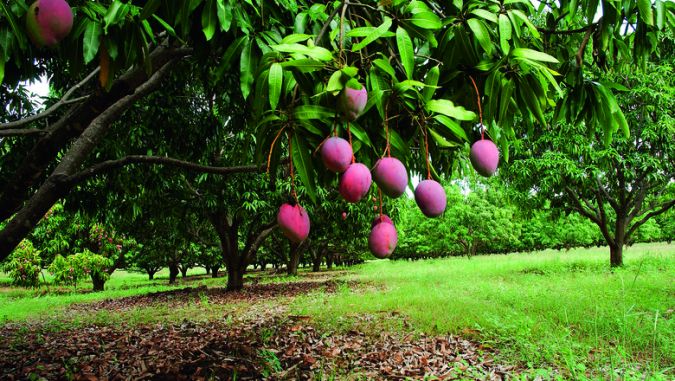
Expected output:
(618, 184)
(293, 56)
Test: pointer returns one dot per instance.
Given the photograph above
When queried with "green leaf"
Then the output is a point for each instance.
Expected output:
(276, 79)
(646, 13)
(504, 33)
(446, 107)
(533, 29)
(441, 141)
(335, 82)
(660, 14)
(350, 71)
(13, 24)
(485, 14)
(405, 51)
(313, 112)
(246, 69)
(431, 81)
(377, 33)
(224, 15)
(360, 134)
(534, 55)
(303, 165)
(315, 52)
(385, 66)
(233, 49)
(116, 12)
(92, 40)
(2, 68)
(209, 16)
(150, 7)
(304, 65)
(426, 20)
(295, 38)
(481, 34)
(169, 28)
(453, 126)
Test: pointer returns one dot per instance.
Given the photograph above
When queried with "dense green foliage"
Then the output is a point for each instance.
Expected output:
(24, 265)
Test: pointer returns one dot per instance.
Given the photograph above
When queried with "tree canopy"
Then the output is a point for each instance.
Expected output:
(440, 70)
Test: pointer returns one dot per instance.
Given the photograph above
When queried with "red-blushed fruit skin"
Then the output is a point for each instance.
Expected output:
(391, 176)
(355, 182)
(430, 197)
(293, 222)
(336, 154)
(379, 219)
(352, 102)
(382, 240)
(344, 216)
(485, 157)
(48, 22)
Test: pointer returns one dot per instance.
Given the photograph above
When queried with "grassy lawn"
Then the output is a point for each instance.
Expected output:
(549, 311)
(560, 309)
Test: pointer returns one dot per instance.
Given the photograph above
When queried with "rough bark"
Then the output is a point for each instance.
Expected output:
(214, 271)
(151, 274)
(98, 282)
(54, 187)
(616, 255)
(72, 124)
(173, 273)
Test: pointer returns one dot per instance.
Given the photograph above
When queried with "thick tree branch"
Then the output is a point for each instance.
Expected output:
(259, 239)
(330, 18)
(584, 43)
(71, 125)
(110, 165)
(62, 102)
(569, 31)
(53, 188)
(606, 195)
(662, 209)
(21, 132)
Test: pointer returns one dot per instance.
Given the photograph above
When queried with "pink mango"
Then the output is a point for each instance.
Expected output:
(352, 102)
(48, 22)
(379, 219)
(336, 154)
(293, 222)
(430, 197)
(485, 157)
(391, 176)
(355, 182)
(382, 240)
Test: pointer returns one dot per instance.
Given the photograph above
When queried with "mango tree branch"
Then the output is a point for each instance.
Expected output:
(21, 132)
(110, 165)
(53, 188)
(330, 18)
(584, 43)
(662, 209)
(63, 101)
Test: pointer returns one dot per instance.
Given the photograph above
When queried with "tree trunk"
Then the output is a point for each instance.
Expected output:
(616, 255)
(151, 274)
(173, 273)
(293, 259)
(98, 282)
(329, 260)
(208, 269)
(214, 271)
(183, 271)
(235, 278)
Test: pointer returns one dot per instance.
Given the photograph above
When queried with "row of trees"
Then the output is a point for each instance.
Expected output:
(486, 218)
(202, 106)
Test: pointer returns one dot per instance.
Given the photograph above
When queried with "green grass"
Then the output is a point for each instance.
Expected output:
(550, 311)
(559, 309)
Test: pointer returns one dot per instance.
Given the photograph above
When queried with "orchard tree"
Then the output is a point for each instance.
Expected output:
(619, 184)
(422, 63)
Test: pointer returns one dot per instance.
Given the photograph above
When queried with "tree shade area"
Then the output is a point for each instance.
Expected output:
(238, 145)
